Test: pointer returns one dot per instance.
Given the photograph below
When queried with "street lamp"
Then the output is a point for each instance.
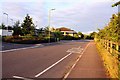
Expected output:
(49, 21)
(7, 20)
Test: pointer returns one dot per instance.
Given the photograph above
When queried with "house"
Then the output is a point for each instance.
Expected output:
(66, 31)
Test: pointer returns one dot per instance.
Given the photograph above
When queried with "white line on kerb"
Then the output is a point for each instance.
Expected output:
(52, 65)
(75, 62)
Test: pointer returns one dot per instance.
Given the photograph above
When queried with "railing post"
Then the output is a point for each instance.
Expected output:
(111, 49)
(107, 46)
(117, 46)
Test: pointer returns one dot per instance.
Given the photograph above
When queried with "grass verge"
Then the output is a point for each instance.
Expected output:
(111, 63)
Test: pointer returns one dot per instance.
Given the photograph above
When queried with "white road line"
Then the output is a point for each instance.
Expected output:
(52, 65)
(19, 49)
(18, 77)
(75, 63)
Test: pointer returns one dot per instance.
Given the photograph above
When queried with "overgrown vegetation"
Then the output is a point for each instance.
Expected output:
(112, 30)
(110, 62)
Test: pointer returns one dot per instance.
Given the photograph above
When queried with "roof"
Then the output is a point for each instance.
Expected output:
(70, 32)
(64, 29)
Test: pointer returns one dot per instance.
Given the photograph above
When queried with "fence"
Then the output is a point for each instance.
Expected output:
(112, 47)
(111, 56)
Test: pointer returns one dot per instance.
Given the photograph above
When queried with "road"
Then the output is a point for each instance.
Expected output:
(11, 46)
(52, 61)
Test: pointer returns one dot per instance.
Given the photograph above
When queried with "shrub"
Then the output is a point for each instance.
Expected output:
(28, 39)
(7, 38)
(69, 38)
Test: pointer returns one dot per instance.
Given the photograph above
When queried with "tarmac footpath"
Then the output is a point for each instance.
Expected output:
(90, 65)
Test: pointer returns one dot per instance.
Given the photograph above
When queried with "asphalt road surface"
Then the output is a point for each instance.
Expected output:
(52, 61)
(9, 46)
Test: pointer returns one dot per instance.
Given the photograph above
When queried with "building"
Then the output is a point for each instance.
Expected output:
(4, 32)
(67, 31)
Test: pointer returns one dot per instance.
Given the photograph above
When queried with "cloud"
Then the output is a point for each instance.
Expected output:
(86, 17)
(80, 15)
(18, 10)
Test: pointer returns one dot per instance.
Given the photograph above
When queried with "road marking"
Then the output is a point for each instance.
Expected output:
(19, 49)
(75, 62)
(56, 62)
(75, 50)
(39, 74)
(18, 77)
(52, 65)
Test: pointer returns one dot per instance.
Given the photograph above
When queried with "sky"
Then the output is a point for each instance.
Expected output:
(80, 15)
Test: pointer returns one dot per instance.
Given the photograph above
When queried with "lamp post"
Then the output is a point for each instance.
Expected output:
(49, 17)
(7, 21)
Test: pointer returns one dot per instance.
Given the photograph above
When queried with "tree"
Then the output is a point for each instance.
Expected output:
(40, 32)
(2, 26)
(10, 28)
(92, 35)
(17, 29)
(86, 36)
(116, 4)
(46, 31)
(57, 34)
(112, 30)
(28, 27)
(80, 35)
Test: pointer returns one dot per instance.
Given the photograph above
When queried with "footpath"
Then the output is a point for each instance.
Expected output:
(90, 65)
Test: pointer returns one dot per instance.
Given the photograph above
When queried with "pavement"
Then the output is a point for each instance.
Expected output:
(90, 65)
(68, 59)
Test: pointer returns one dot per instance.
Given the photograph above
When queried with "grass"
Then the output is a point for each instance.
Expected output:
(110, 62)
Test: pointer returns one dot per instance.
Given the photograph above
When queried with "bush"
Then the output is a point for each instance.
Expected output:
(28, 39)
(69, 38)
(7, 38)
